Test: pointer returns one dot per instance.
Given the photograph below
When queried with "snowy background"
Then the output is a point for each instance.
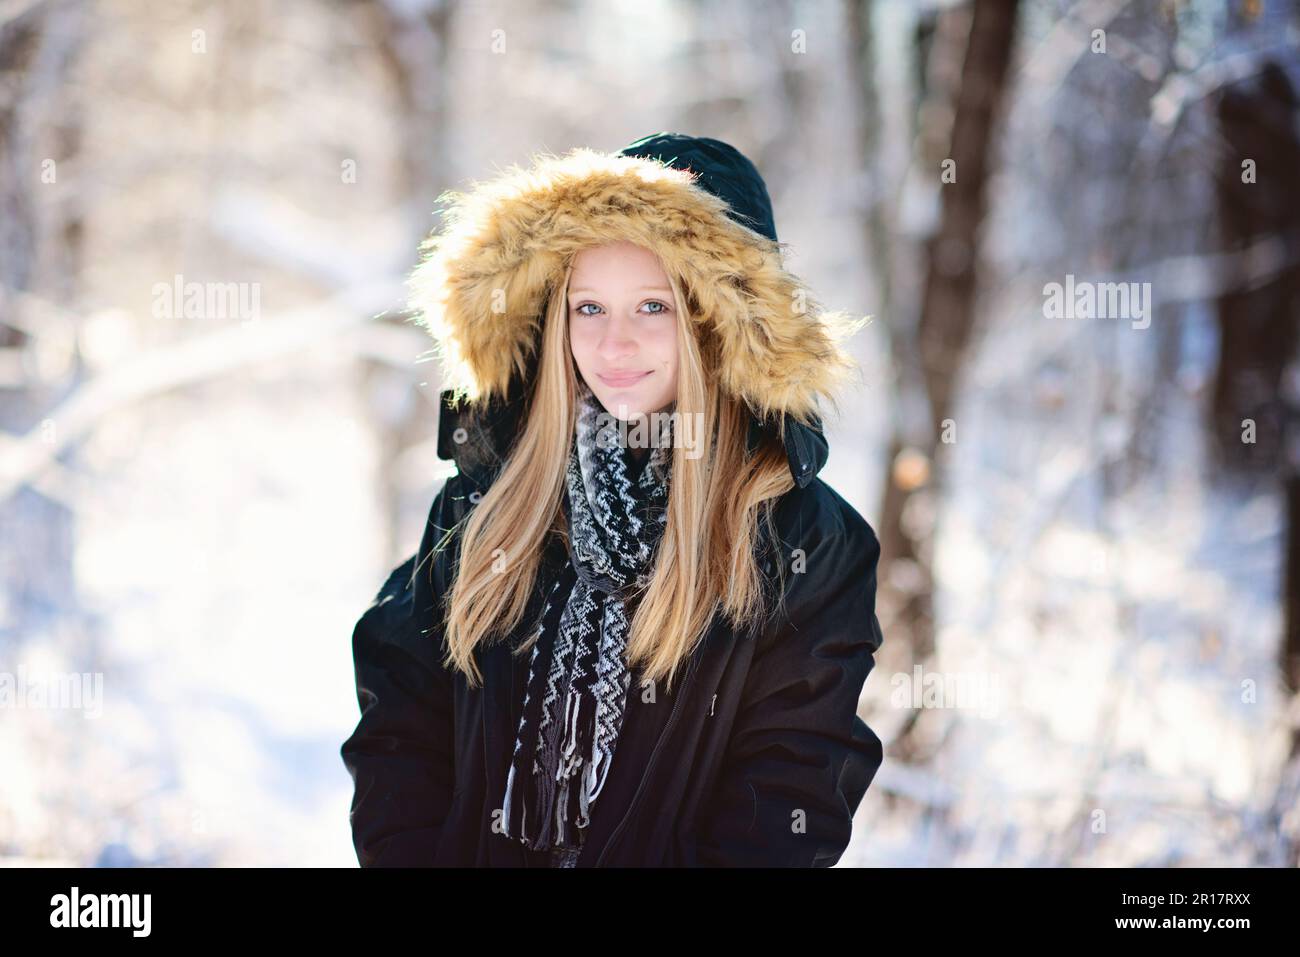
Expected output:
(197, 508)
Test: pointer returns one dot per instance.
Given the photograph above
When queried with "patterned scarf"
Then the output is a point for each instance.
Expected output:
(578, 675)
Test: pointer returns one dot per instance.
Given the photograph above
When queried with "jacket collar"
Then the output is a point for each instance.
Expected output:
(478, 437)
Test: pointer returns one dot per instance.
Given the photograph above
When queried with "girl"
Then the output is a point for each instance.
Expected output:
(637, 626)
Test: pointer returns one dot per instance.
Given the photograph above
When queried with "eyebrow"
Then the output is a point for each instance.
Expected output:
(576, 291)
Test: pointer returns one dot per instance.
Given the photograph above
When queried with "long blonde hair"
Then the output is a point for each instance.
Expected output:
(708, 555)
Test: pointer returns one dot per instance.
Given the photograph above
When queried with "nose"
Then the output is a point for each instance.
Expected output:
(617, 343)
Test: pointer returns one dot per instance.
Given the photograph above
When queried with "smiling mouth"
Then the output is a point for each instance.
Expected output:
(623, 380)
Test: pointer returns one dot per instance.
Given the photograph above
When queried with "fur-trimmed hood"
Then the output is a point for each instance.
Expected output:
(482, 287)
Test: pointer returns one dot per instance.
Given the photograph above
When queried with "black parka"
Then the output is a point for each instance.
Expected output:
(757, 758)
(757, 755)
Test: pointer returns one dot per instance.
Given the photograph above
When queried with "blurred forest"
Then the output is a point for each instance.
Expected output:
(218, 424)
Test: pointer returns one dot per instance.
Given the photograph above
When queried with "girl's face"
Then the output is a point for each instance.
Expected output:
(623, 328)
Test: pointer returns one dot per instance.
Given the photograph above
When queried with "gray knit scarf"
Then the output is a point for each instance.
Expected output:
(578, 675)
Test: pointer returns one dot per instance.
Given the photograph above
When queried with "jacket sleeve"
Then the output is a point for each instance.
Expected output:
(401, 754)
(799, 759)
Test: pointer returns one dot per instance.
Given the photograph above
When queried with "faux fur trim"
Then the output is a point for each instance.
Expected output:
(484, 281)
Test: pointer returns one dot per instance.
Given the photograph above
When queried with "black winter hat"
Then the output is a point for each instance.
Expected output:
(723, 170)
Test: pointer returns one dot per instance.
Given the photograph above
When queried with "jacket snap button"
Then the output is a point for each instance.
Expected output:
(475, 497)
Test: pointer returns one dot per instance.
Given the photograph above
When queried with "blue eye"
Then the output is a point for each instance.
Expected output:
(663, 308)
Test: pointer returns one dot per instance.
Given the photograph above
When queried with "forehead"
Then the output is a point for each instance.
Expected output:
(617, 265)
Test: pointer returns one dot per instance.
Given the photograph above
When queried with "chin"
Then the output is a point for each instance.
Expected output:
(622, 406)
(638, 404)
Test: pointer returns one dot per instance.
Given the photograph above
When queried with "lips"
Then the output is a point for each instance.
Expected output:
(622, 380)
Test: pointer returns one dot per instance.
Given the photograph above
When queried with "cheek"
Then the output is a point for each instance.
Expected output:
(665, 362)
(579, 341)
(664, 349)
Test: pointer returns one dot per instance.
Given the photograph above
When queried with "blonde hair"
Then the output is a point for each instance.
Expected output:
(708, 555)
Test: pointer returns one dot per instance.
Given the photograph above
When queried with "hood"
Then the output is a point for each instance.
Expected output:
(481, 288)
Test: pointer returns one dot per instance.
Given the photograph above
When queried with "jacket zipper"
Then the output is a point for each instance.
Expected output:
(654, 756)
